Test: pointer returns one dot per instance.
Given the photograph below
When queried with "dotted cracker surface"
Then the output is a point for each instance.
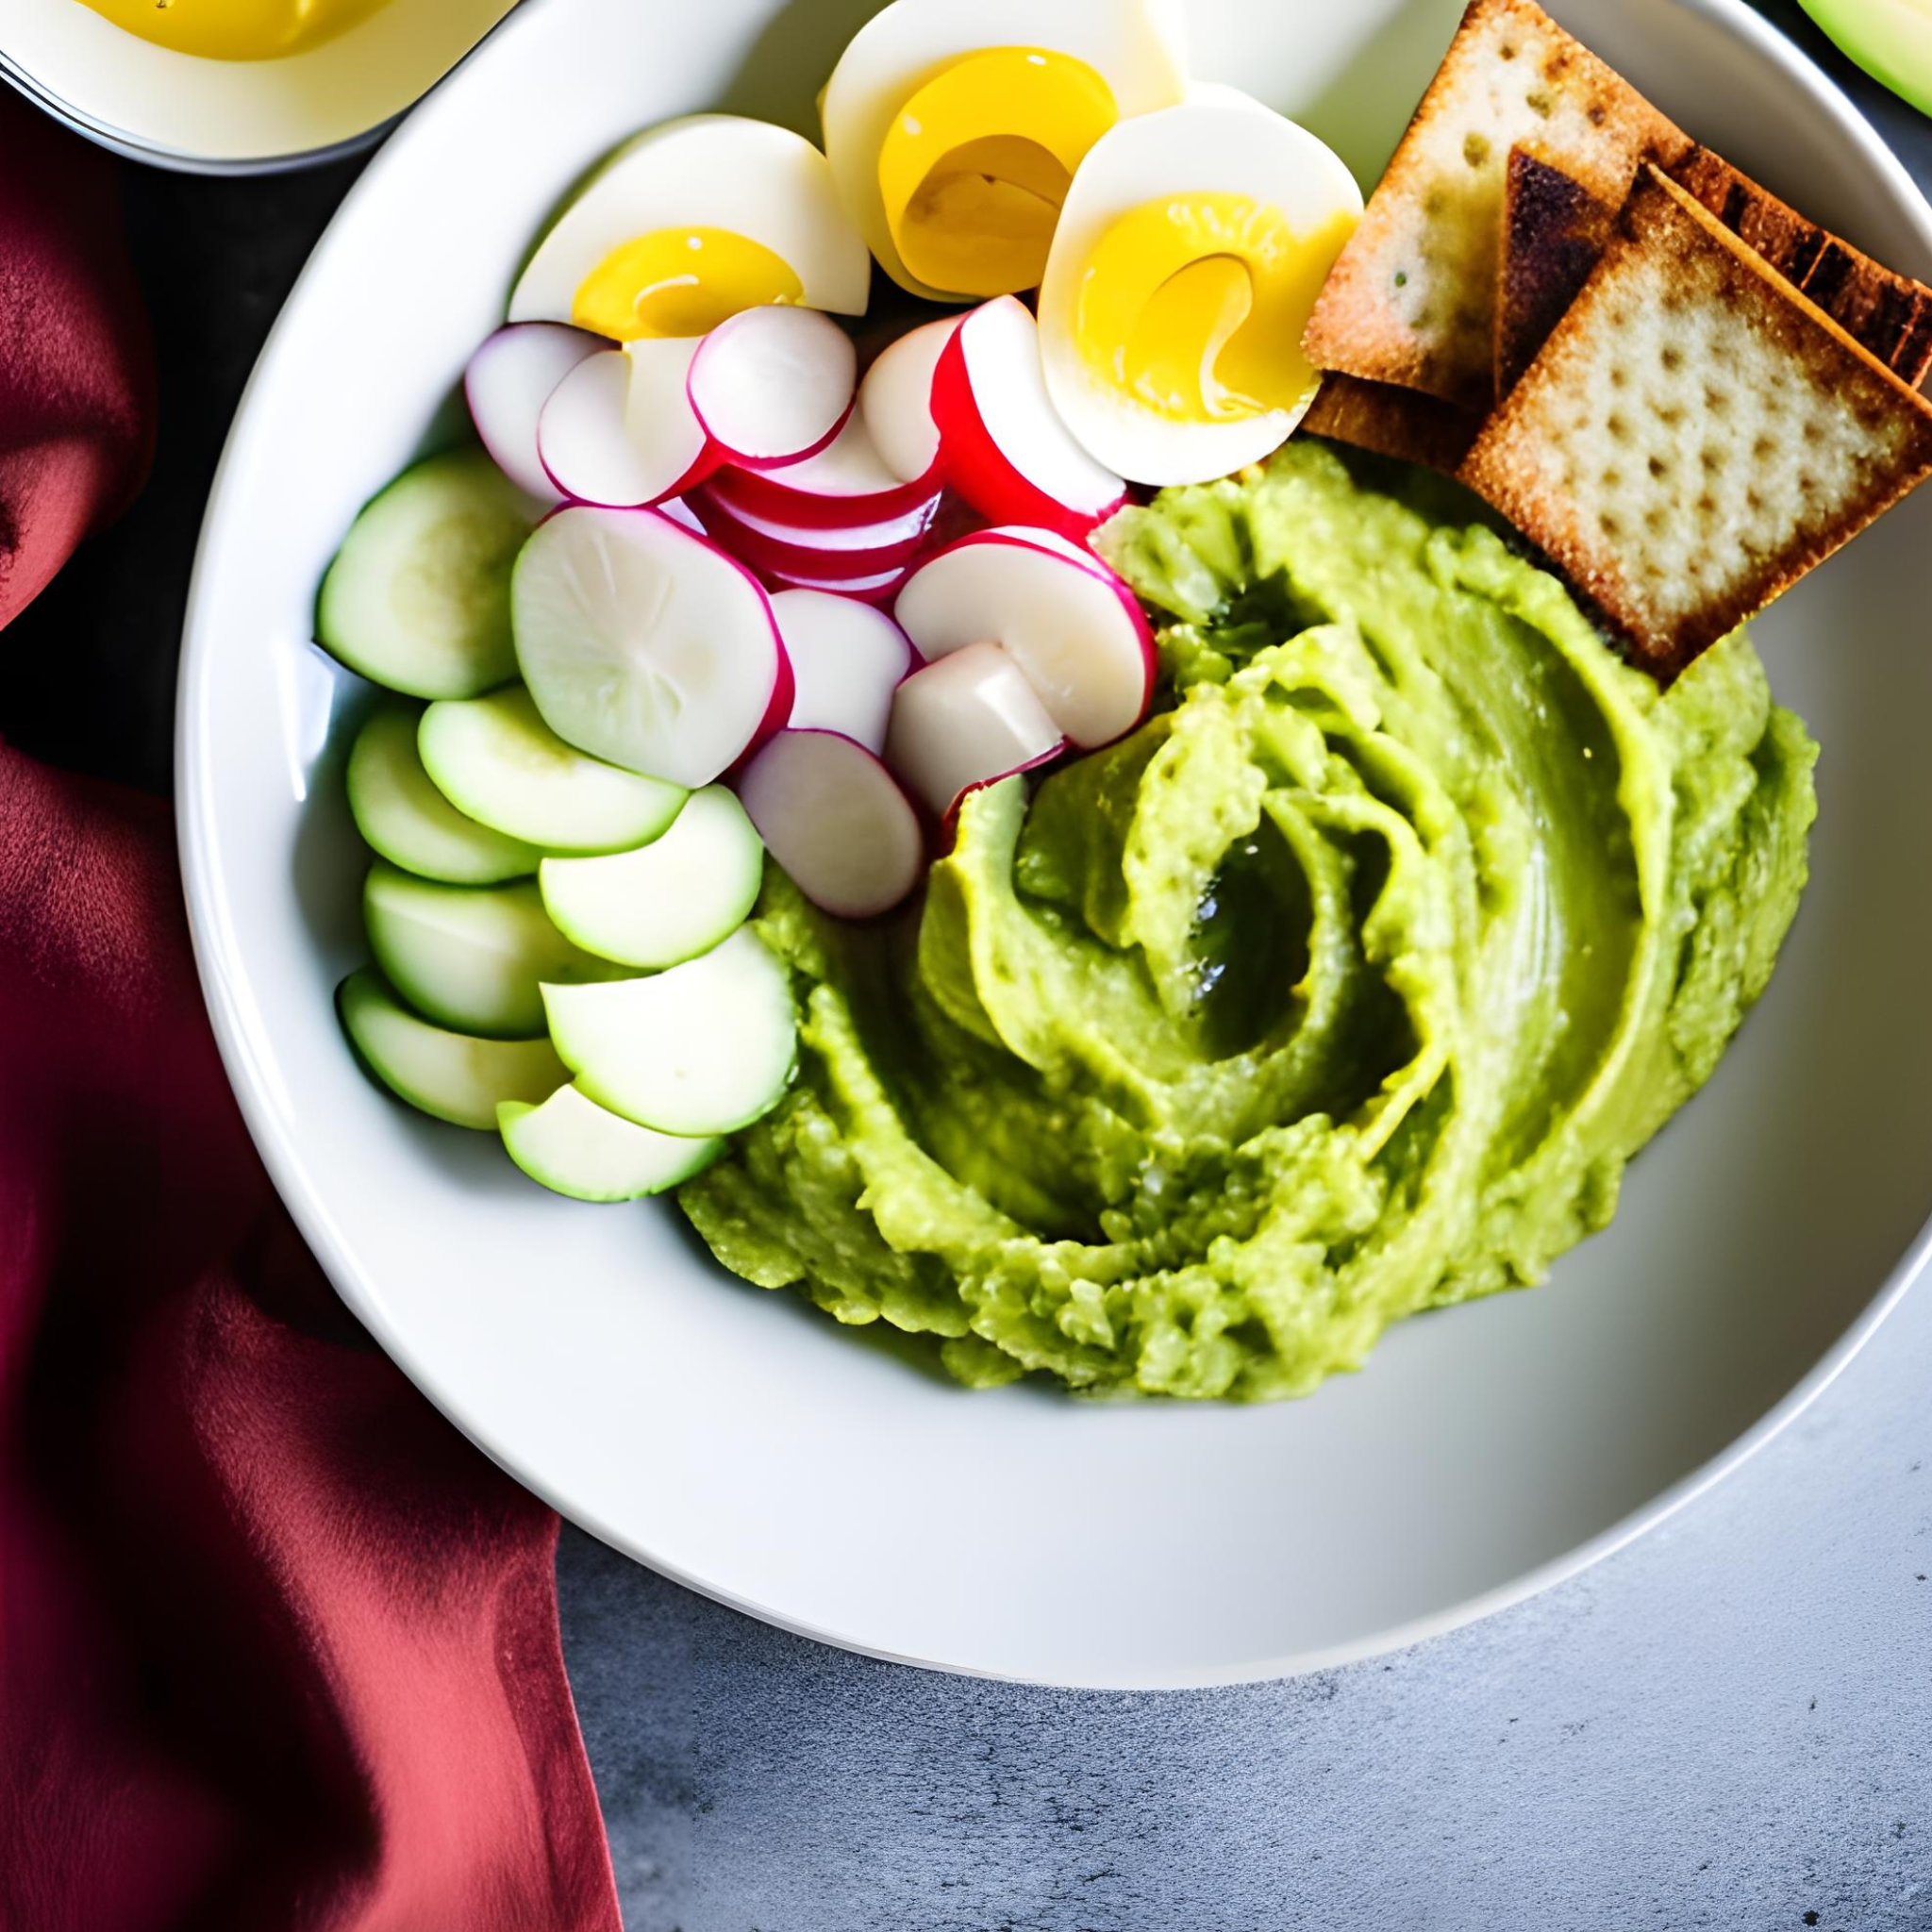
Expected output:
(1412, 299)
(1695, 435)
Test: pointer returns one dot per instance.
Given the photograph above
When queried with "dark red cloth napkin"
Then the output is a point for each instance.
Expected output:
(279, 1649)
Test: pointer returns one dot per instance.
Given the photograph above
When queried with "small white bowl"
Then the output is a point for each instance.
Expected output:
(235, 117)
(741, 1443)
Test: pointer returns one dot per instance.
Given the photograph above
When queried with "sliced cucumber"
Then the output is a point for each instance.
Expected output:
(572, 1146)
(404, 817)
(472, 957)
(496, 760)
(669, 901)
(451, 1075)
(418, 596)
(705, 1048)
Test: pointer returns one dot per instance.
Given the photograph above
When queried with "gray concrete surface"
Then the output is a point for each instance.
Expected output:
(1727, 1725)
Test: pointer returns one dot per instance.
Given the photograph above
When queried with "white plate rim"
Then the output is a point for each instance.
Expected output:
(287, 1171)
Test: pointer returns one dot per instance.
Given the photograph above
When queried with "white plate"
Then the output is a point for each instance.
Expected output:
(744, 1443)
(240, 116)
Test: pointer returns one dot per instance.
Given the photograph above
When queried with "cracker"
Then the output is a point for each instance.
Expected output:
(1412, 299)
(1890, 314)
(1401, 423)
(1553, 231)
(1696, 435)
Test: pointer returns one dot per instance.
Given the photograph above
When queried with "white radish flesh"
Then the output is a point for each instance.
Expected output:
(880, 589)
(896, 399)
(1006, 450)
(1073, 626)
(507, 382)
(834, 817)
(967, 720)
(847, 482)
(705, 1048)
(668, 901)
(772, 385)
(647, 645)
(586, 449)
(774, 548)
(899, 534)
(847, 658)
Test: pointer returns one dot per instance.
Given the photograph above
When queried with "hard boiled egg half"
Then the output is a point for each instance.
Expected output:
(954, 127)
(1187, 260)
(688, 224)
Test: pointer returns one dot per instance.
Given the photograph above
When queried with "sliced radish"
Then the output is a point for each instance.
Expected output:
(681, 514)
(968, 719)
(903, 532)
(833, 816)
(705, 1048)
(1006, 450)
(617, 430)
(832, 551)
(847, 482)
(847, 658)
(647, 645)
(895, 400)
(773, 384)
(880, 588)
(1068, 622)
(507, 382)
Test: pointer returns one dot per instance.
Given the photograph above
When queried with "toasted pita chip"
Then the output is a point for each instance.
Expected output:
(1413, 300)
(1890, 314)
(1400, 422)
(1553, 231)
(1696, 435)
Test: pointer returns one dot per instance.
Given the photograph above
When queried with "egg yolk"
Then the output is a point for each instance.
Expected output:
(235, 29)
(1194, 306)
(978, 162)
(680, 282)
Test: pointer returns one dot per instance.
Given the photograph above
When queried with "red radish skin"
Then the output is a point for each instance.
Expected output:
(1003, 445)
(836, 820)
(968, 719)
(847, 658)
(774, 386)
(1071, 625)
(800, 553)
(895, 400)
(905, 532)
(879, 590)
(645, 644)
(844, 484)
(603, 443)
(508, 380)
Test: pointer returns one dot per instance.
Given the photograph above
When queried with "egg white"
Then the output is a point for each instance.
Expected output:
(718, 171)
(1137, 46)
(1215, 143)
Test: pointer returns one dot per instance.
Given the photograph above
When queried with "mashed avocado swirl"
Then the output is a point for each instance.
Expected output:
(1345, 987)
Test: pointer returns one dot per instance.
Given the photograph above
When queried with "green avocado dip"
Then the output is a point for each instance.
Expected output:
(1345, 987)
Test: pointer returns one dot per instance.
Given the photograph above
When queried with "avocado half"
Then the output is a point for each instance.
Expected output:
(1891, 39)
